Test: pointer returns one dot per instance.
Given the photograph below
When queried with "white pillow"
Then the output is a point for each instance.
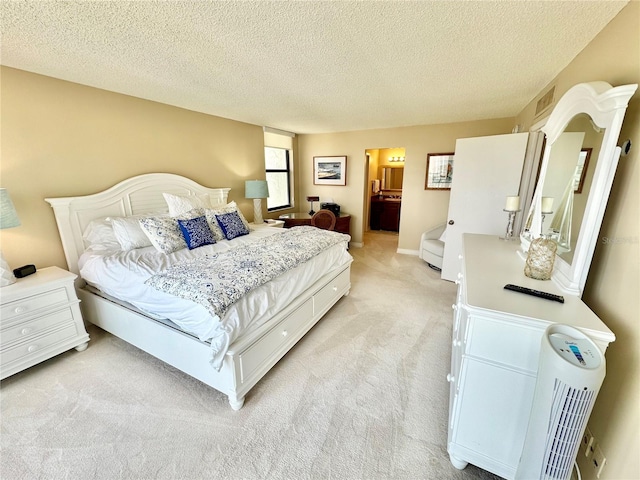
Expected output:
(128, 232)
(179, 204)
(99, 235)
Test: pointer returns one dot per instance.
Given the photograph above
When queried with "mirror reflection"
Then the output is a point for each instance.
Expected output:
(391, 177)
(567, 182)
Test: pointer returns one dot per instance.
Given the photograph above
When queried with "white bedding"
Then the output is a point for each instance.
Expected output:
(122, 274)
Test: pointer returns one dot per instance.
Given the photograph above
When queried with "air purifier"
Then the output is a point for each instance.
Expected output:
(571, 369)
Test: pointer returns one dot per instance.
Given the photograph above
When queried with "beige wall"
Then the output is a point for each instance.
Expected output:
(421, 209)
(613, 283)
(62, 139)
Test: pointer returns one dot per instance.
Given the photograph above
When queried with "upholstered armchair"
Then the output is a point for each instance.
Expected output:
(432, 247)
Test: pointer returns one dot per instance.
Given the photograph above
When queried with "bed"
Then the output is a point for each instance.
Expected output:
(270, 319)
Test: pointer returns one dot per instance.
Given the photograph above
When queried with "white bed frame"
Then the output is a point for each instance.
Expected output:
(251, 356)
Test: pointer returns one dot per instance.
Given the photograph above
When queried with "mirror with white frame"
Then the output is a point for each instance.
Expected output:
(588, 116)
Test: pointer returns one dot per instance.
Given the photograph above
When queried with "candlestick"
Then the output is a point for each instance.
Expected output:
(513, 204)
(512, 216)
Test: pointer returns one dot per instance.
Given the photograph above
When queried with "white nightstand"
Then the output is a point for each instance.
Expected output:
(269, 223)
(39, 318)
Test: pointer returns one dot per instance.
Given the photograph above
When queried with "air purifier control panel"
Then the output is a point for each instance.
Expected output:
(577, 351)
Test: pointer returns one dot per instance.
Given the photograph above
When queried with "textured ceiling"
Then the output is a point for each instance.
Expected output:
(309, 66)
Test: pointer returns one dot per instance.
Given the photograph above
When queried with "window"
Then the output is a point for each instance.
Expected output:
(277, 163)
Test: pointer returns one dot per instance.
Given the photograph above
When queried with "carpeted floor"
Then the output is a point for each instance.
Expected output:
(362, 396)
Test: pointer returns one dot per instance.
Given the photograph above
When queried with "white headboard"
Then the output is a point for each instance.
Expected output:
(134, 196)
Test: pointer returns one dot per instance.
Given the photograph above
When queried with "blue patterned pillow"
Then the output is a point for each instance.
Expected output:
(196, 232)
(232, 225)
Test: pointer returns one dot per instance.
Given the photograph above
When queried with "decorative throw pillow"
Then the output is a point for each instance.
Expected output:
(232, 206)
(213, 221)
(196, 232)
(128, 232)
(163, 233)
(232, 225)
(179, 204)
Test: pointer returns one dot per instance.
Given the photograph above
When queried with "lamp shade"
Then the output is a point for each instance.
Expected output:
(8, 215)
(256, 189)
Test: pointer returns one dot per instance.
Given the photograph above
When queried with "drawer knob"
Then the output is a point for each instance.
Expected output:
(454, 306)
(32, 348)
(285, 333)
(450, 378)
(19, 309)
(25, 331)
(335, 289)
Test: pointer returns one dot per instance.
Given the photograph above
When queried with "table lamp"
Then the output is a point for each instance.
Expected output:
(8, 219)
(256, 189)
(312, 199)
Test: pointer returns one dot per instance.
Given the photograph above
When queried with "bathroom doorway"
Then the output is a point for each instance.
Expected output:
(383, 189)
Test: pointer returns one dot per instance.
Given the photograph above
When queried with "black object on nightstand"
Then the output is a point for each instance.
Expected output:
(24, 271)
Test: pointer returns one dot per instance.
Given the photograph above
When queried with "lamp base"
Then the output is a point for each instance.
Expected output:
(257, 211)
(6, 274)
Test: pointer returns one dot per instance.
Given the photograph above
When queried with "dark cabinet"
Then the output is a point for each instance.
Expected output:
(385, 214)
(376, 214)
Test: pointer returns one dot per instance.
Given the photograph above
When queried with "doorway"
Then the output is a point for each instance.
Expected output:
(384, 177)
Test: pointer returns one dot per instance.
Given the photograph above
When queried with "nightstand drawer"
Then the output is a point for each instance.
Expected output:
(35, 326)
(31, 304)
(37, 346)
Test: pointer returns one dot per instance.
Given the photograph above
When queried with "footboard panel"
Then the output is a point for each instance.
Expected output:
(172, 346)
(254, 357)
(249, 358)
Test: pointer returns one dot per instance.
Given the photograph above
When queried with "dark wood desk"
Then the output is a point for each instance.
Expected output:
(343, 222)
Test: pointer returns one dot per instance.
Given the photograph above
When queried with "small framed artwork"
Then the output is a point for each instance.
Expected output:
(439, 171)
(330, 170)
(581, 170)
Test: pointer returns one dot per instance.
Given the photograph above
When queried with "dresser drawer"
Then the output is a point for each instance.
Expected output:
(277, 339)
(37, 345)
(327, 296)
(515, 346)
(32, 304)
(23, 330)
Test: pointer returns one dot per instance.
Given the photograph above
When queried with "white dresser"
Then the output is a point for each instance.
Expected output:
(494, 359)
(40, 318)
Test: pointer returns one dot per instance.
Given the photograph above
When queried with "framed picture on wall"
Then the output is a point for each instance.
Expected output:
(330, 170)
(581, 170)
(439, 171)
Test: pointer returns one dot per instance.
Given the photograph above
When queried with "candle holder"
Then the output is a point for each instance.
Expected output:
(544, 214)
(509, 232)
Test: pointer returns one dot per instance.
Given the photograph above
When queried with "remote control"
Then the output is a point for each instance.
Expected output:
(535, 293)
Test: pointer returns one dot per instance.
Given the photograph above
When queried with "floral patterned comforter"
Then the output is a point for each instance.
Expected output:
(218, 280)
